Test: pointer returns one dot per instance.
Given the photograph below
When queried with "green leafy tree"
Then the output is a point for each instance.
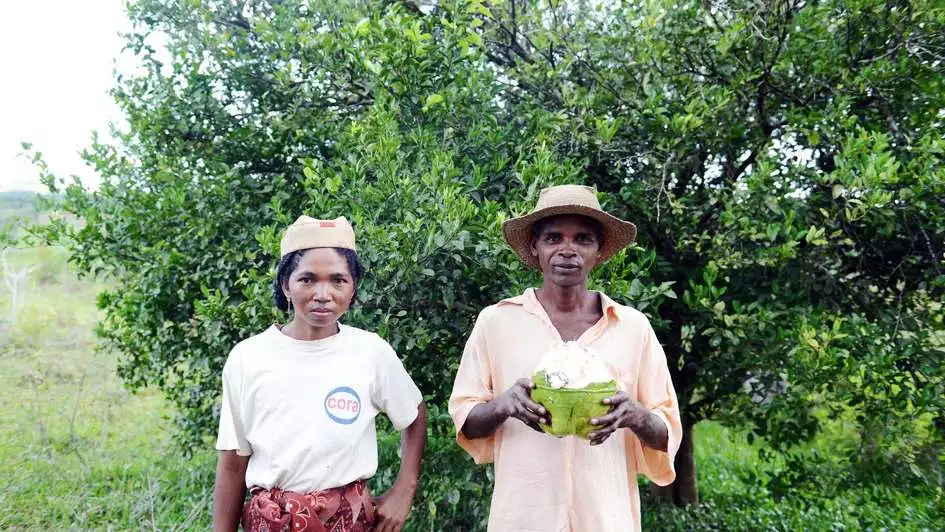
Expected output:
(783, 161)
(256, 114)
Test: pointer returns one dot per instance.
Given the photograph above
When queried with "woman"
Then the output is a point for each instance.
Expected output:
(299, 401)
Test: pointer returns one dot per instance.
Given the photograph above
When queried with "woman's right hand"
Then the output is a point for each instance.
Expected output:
(516, 402)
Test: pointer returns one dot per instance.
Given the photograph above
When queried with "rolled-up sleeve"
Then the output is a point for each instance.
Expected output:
(472, 387)
(655, 392)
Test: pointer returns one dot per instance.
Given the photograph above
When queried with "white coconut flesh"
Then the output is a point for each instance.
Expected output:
(572, 366)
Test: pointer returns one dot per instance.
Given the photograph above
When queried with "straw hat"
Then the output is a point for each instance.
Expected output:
(307, 232)
(567, 199)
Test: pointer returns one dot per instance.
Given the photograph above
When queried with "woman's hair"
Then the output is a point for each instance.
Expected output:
(290, 262)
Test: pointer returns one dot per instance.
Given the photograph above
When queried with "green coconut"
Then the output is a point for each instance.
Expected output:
(571, 410)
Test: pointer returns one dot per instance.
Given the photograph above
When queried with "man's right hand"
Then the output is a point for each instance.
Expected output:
(517, 403)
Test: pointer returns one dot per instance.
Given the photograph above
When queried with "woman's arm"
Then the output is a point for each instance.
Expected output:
(229, 490)
(393, 507)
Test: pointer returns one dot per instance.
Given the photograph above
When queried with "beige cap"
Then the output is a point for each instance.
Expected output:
(568, 199)
(307, 232)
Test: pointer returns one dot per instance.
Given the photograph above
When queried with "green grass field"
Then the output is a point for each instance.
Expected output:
(78, 451)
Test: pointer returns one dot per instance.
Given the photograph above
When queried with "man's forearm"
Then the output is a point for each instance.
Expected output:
(651, 430)
(483, 420)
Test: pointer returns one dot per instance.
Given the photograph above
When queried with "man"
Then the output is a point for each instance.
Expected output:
(543, 483)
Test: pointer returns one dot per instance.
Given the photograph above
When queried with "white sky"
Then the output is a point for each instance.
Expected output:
(56, 62)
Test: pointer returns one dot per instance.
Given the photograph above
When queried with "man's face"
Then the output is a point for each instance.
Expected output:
(567, 248)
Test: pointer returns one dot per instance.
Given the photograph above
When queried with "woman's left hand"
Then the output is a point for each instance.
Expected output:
(623, 411)
(393, 507)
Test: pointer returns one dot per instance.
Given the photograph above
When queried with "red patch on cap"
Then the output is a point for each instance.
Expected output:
(326, 224)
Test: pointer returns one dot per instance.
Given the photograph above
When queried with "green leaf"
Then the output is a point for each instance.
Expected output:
(362, 27)
(372, 66)
(815, 235)
(476, 6)
(432, 100)
(474, 38)
(636, 289)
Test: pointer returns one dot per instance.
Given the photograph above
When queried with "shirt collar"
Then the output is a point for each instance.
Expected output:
(529, 301)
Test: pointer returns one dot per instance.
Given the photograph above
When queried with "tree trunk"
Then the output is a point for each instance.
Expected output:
(684, 491)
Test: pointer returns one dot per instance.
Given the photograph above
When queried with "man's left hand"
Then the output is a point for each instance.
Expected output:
(624, 412)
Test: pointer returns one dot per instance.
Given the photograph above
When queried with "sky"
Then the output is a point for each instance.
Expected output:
(56, 64)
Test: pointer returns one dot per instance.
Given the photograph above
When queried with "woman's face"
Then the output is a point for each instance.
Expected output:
(320, 288)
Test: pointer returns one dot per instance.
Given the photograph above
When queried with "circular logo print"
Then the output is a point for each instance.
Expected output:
(343, 405)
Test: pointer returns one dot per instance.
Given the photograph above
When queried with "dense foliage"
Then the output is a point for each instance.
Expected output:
(783, 160)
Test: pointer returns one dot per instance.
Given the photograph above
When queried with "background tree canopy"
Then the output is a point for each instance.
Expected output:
(784, 161)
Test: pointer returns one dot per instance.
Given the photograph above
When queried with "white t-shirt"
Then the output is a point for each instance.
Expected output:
(304, 410)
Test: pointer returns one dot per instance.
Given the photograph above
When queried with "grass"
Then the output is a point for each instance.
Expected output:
(78, 451)
(737, 492)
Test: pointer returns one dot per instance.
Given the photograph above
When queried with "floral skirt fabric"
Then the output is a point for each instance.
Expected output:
(348, 508)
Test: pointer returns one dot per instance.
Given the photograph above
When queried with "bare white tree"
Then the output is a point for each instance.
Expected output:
(14, 280)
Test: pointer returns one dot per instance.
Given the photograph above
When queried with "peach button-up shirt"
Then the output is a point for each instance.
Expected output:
(549, 484)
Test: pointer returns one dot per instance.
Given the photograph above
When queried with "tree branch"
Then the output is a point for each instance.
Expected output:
(702, 409)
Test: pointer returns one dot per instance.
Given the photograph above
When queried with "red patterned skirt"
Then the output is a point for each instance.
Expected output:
(348, 508)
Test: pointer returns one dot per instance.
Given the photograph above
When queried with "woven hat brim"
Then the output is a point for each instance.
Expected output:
(618, 233)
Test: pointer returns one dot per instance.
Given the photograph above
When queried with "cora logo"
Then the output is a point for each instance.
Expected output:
(343, 405)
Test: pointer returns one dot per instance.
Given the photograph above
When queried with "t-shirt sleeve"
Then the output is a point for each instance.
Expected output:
(394, 392)
(472, 387)
(231, 435)
(655, 392)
